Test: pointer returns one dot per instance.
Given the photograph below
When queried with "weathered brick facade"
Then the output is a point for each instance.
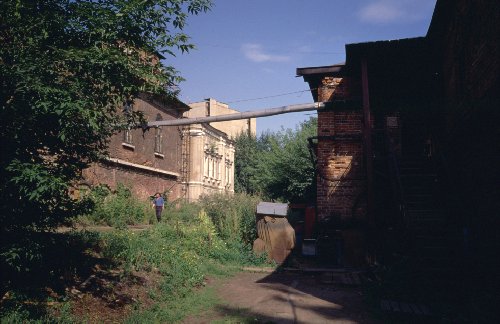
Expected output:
(341, 190)
(464, 36)
(184, 162)
(146, 162)
(436, 95)
(340, 161)
(340, 167)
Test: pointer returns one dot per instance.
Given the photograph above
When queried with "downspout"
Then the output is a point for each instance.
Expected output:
(371, 233)
(314, 161)
(367, 141)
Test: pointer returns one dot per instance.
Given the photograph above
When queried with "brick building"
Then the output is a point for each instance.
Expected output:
(146, 162)
(408, 139)
(183, 161)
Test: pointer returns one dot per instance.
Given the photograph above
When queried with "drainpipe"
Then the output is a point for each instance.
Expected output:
(371, 239)
(367, 140)
(314, 161)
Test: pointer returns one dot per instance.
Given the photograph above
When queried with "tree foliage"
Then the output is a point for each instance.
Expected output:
(277, 165)
(65, 67)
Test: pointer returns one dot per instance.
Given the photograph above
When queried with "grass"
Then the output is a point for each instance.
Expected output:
(174, 311)
(24, 314)
(181, 253)
(185, 254)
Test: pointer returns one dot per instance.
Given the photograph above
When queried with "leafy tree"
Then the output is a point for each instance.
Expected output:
(65, 67)
(277, 165)
(245, 163)
(246, 149)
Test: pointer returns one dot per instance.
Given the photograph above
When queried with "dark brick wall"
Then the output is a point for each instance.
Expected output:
(142, 152)
(144, 144)
(143, 184)
(464, 35)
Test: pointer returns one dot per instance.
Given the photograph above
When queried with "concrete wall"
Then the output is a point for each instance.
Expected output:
(212, 107)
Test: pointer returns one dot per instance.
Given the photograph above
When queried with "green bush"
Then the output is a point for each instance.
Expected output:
(219, 226)
(219, 229)
(178, 253)
(233, 216)
(181, 212)
(117, 209)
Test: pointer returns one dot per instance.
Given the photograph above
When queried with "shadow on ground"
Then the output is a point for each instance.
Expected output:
(285, 297)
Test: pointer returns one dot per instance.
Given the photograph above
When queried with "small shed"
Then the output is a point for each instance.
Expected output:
(275, 235)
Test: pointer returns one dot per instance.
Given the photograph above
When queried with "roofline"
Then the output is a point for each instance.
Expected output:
(364, 45)
(328, 69)
(165, 103)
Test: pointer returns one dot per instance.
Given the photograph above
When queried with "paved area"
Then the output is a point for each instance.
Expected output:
(293, 298)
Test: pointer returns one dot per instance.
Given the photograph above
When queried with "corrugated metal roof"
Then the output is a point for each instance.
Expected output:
(269, 208)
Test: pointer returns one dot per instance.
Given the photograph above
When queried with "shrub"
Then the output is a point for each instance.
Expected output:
(181, 212)
(118, 209)
(233, 216)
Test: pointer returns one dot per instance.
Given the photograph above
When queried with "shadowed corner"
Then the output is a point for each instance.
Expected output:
(56, 266)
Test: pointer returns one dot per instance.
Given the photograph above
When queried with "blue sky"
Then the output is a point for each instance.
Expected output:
(250, 49)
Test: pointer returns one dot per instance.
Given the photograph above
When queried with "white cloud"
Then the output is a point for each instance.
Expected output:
(391, 11)
(255, 53)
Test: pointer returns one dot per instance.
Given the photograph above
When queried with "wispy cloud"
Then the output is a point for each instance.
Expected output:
(255, 53)
(393, 11)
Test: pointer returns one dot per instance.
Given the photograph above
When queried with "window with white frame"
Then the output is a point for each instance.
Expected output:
(127, 136)
(128, 107)
(158, 142)
(158, 136)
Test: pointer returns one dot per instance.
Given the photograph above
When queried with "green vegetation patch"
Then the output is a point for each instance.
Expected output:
(170, 262)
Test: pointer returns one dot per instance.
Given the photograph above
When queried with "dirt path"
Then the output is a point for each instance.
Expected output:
(287, 298)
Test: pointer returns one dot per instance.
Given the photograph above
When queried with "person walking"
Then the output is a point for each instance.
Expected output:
(158, 204)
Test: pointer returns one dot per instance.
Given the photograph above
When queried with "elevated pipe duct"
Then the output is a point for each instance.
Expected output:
(242, 115)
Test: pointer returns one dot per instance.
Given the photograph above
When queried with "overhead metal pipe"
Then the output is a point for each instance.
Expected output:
(241, 115)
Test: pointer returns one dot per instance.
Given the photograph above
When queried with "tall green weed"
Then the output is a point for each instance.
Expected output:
(176, 249)
(233, 216)
(118, 209)
(185, 249)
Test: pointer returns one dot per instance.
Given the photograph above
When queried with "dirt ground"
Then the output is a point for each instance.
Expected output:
(248, 297)
(287, 298)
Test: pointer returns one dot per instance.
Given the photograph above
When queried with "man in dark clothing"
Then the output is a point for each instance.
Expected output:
(158, 204)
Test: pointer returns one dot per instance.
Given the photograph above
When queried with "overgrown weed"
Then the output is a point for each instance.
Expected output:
(118, 208)
(193, 243)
